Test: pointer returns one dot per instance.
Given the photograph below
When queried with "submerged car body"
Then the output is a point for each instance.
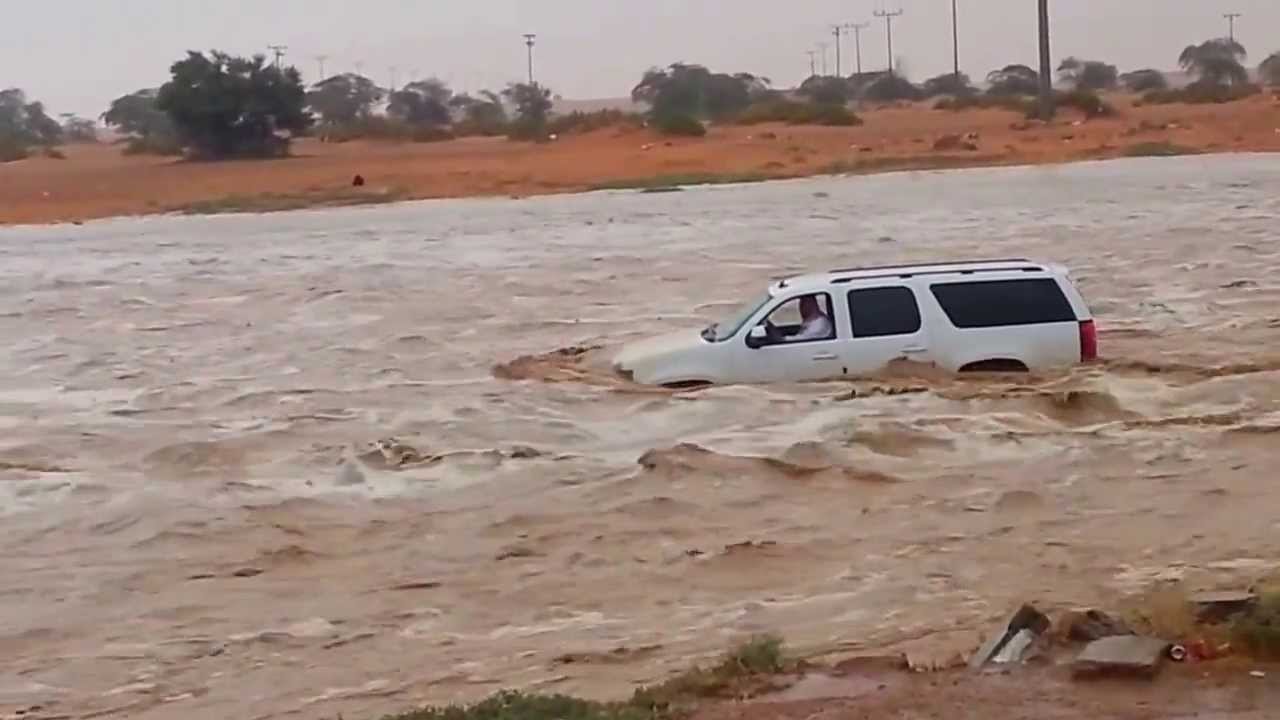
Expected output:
(1000, 315)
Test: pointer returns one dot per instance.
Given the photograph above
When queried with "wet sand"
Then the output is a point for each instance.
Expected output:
(97, 182)
(197, 522)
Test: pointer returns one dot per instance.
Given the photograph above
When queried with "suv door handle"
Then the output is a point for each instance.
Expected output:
(824, 356)
(914, 350)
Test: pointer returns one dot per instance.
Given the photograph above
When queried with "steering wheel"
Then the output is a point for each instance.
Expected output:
(772, 332)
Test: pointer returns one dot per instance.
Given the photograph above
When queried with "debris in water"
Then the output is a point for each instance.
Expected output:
(1215, 607)
(1090, 625)
(1026, 619)
(1122, 655)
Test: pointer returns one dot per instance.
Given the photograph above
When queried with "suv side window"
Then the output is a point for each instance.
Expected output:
(1003, 302)
(808, 318)
(884, 312)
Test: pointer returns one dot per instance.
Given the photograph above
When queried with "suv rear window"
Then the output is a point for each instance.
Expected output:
(883, 312)
(1003, 302)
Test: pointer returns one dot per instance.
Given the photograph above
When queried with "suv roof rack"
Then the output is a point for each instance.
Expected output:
(930, 264)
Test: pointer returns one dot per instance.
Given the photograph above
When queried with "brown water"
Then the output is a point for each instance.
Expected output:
(196, 524)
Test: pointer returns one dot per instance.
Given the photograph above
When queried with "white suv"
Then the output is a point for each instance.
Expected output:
(991, 315)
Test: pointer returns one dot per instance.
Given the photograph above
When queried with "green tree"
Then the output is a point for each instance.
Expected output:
(533, 105)
(1269, 70)
(1140, 81)
(948, 84)
(1088, 74)
(223, 106)
(148, 128)
(24, 125)
(344, 99)
(424, 103)
(1013, 80)
(78, 130)
(695, 91)
(1217, 63)
(484, 115)
(826, 90)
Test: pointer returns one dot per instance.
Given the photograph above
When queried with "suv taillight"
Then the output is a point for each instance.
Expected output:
(1088, 341)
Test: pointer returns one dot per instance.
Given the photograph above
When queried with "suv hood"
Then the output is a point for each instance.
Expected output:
(640, 357)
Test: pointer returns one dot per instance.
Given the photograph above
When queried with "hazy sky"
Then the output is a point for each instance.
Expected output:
(76, 55)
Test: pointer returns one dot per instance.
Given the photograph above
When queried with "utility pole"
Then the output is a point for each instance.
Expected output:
(360, 68)
(279, 51)
(528, 40)
(822, 47)
(813, 63)
(888, 26)
(1046, 65)
(838, 30)
(955, 38)
(394, 71)
(857, 41)
(1231, 24)
(320, 59)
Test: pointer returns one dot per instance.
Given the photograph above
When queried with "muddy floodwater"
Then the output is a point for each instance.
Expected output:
(197, 523)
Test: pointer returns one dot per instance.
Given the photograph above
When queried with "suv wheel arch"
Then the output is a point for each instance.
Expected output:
(996, 365)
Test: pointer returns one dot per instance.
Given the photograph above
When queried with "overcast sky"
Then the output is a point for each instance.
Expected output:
(76, 55)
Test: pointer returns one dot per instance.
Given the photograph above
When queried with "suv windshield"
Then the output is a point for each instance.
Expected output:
(723, 331)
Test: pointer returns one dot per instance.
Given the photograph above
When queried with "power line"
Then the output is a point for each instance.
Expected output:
(888, 25)
(528, 40)
(1231, 24)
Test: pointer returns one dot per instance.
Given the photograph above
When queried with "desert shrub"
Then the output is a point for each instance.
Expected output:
(1086, 101)
(584, 122)
(1012, 103)
(891, 88)
(680, 125)
(1201, 93)
(948, 84)
(11, 150)
(1141, 81)
(799, 113)
(152, 145)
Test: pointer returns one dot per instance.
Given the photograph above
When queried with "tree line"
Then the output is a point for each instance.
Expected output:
(218, 106)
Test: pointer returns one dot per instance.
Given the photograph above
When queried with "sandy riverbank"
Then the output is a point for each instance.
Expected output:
(97, 181)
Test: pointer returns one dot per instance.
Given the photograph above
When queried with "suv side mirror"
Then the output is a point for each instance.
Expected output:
(757, 337)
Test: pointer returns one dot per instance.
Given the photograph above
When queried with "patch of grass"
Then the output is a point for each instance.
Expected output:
(740, 673)
(279, 202)
(668, 182)
(518, 706)
(1258, 632)
(1164, 613)
(1158, 149)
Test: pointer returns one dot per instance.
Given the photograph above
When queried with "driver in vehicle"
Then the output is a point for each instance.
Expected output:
(816, 325)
